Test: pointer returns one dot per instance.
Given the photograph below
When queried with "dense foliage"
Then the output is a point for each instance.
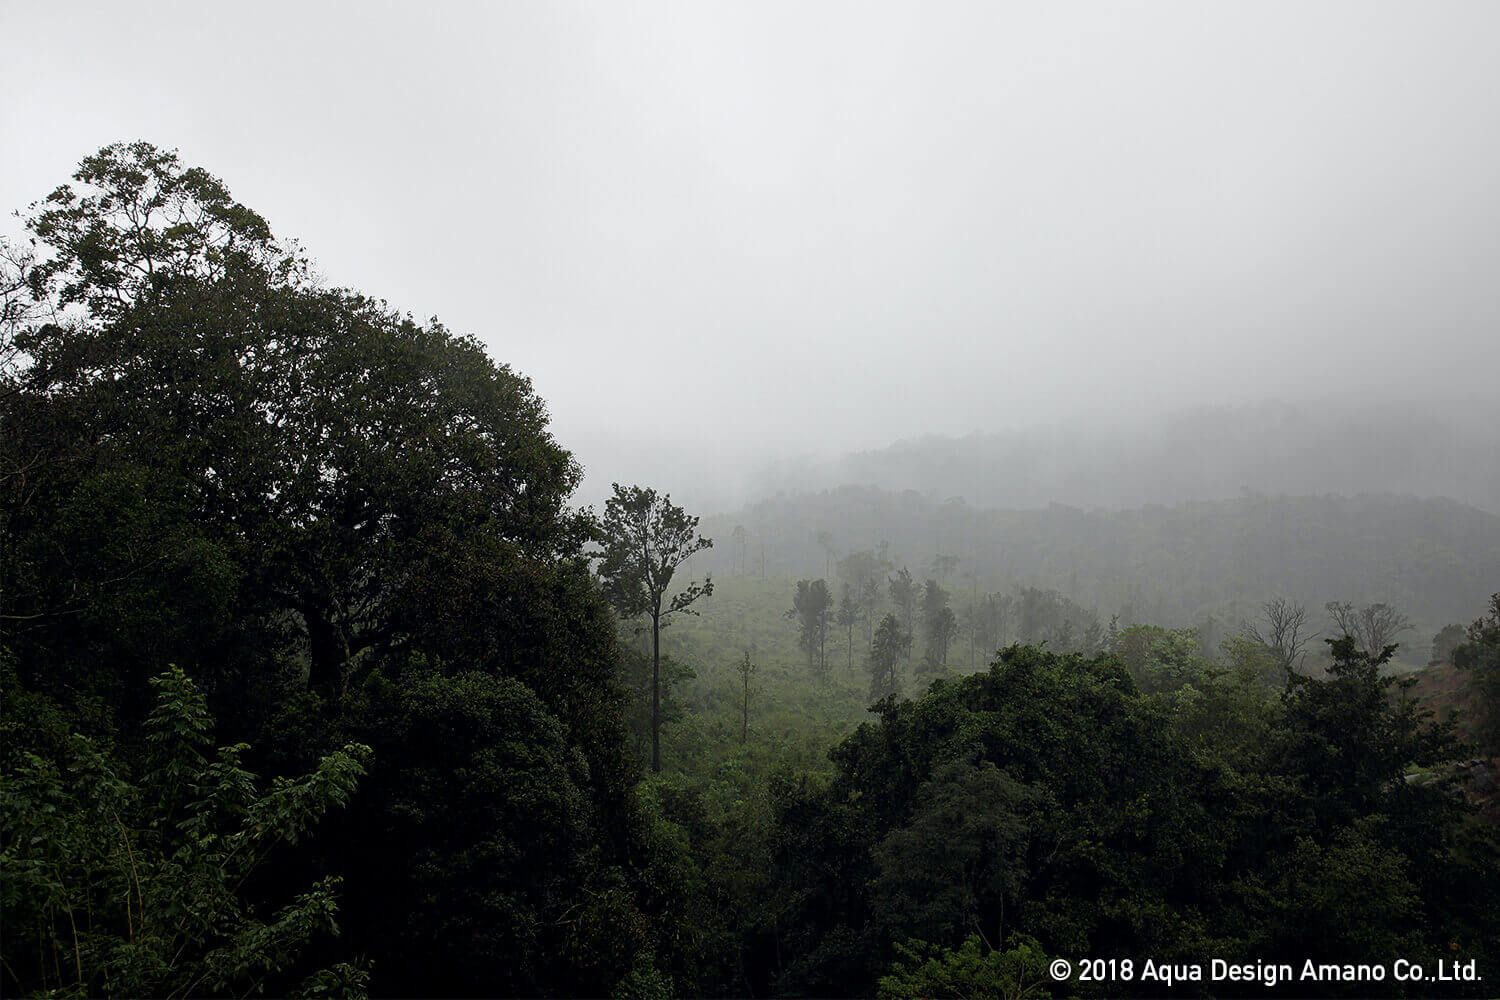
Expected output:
(133, 887)
(344, 526)
(1050, 804)
(1479, 656)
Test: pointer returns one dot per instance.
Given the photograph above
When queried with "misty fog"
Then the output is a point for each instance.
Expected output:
(730, 241)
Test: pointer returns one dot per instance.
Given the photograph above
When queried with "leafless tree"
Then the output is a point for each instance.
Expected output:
(1286, 632)
(1374, 626)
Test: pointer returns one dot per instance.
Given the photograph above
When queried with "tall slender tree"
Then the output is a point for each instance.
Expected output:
(812, 608)
(739, 537)
(850, 613)
(938, 621)
(904, 594)
(825, 542)
(646, 537)
(865, 572)
(885, 657)
(747, 669)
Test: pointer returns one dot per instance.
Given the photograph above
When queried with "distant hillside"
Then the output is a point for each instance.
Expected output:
(1437, 560)
(1203, 454)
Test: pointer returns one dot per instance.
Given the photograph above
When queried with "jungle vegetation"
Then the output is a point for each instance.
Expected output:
(316, 682)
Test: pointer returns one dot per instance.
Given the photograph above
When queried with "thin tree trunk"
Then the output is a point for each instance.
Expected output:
(656, 691)
(973, 620)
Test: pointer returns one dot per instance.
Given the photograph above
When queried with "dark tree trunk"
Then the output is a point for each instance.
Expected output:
(329, 652)
(656, 691)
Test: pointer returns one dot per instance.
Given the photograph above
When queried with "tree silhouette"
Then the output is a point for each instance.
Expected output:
(646, 537)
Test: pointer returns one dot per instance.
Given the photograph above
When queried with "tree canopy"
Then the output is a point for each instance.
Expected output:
(341, 524)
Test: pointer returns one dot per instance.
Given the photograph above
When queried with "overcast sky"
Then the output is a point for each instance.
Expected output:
(737, 228)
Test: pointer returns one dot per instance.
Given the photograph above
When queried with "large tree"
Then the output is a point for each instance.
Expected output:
(645, 538)
(233, 452)
(341, 523)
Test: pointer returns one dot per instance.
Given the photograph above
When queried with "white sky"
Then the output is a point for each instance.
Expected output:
(734, 229)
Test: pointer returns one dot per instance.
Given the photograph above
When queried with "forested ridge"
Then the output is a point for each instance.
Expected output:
(1418, 443)
(1435, 558)
(317, 682)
